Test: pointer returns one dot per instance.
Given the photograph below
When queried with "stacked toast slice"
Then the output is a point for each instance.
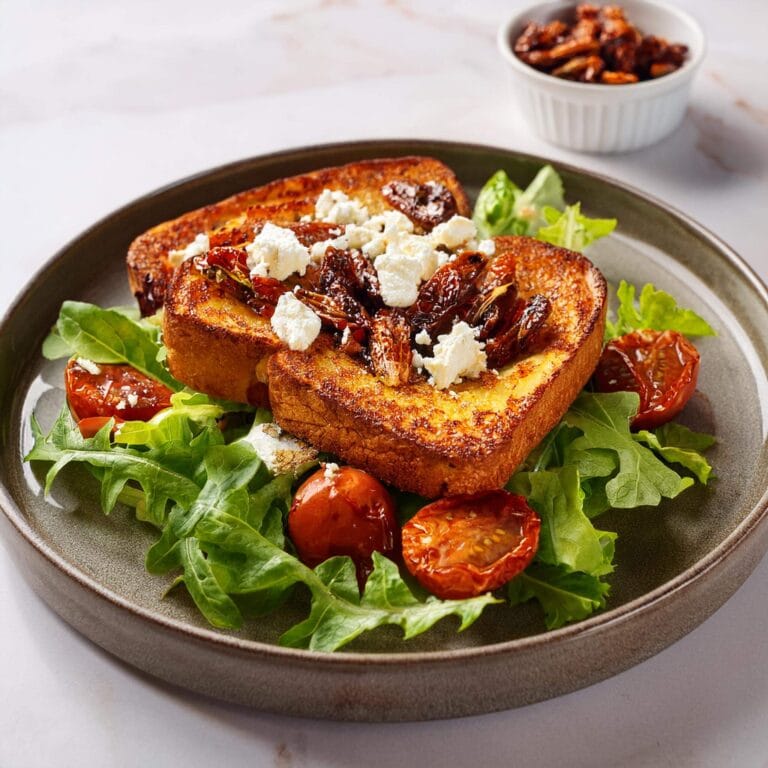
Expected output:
(415, 436)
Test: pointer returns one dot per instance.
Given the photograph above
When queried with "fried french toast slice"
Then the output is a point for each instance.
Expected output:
(435, 442)
(283, 202)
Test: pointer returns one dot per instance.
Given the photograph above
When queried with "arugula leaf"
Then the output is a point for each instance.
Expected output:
(571, 229)
(656, 310)
(337, 614)
(565, 596)
(164, 473)
(677, 444)
(108, 336)
(206, 592)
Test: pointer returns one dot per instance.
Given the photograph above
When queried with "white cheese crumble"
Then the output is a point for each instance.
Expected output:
(422, 337)
(399, 277)
(88, 365)
(335, 207)
(133, 399)
(487, 247)
(276, 252)
(330, 470)
(200, 245)
(454, 233)
(295, 324)
(457, 355)
(281, 453)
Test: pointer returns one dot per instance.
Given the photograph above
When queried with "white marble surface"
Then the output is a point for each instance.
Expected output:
(103, 101)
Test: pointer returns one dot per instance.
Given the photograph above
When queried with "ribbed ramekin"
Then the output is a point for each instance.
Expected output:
(605, 118)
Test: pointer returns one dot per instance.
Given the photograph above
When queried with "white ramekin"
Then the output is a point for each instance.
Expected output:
(605, 118)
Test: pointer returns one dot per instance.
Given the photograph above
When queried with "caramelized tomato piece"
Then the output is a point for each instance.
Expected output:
(661, 366)
(342, 512)
(116, 390)
(92, 424)
(463, 546)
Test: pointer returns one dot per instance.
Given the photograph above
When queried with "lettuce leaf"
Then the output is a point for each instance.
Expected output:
(108, 336)
(567, 536)
(565, 596)
(224, 530)
(571, 229)
(677, 444)
(503, 208)
(656, 310)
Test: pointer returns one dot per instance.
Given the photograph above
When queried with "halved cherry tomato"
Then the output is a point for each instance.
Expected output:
(342, 512)
(92, 424)
(661, 366)
(116, 390)
(463, 546)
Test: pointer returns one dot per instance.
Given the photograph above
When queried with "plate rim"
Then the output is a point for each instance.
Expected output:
(602, 621)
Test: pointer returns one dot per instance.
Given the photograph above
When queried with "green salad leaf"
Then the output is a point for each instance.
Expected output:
(589, 463)
(165, 474)
(564, 595)
(571, 229)
(655, 310)
(108, 336)
(222, 520)
(503, 208)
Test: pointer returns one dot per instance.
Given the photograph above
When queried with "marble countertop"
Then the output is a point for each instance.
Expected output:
(101, 102)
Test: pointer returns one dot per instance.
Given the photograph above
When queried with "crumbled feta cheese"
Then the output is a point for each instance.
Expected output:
(346, 334)
(295, 323)
(317, 250)
(453, 393)
(133, 399)
(276, 252)
(457, 355)
(88, 365)
(399, 277)
(282, 454)
(454, 233)
(335, 207)
(121, 405)
(417, 361)
(200, 245)
(422, 337)
(488, 247)
(329, 470)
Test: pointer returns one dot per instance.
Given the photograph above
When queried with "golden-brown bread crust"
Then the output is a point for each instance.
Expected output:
(283, 201)
(427, 441)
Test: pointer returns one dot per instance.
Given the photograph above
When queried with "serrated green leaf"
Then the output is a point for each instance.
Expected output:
(655, 310)
(108, 336)
(571, 229)
(642, 479)
(564, 596)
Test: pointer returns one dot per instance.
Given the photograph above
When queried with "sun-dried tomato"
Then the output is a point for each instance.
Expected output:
(424, 204)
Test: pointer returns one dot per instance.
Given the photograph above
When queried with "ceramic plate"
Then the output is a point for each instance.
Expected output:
(676, 563)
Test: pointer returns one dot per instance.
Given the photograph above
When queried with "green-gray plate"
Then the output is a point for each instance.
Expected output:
(676, 563)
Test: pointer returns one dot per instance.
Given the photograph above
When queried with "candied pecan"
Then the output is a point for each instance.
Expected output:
(586, 68)
(526, 320)
(617, 78)
(339, 312)
(587, 11)
(389, 347)
(424, 204)
(661, 68)
(447, 293)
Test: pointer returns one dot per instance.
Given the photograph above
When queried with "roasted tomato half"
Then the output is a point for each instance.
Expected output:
(342, 511)
(118, 391)
(661, 366)
(463, 546)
